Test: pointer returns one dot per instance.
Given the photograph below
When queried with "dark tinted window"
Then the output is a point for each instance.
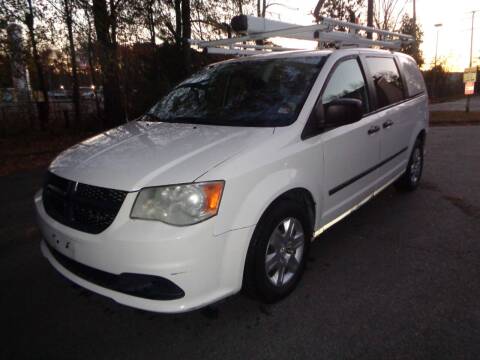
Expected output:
(266, 92)
(388, 84)
(413, 76)
(347, 81)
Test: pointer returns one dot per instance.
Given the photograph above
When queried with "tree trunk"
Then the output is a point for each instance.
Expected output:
(186, 34)
(178, 23)
(370, 17)
(90, 62)
(151, 22)
(113, 104)
(113, 23)
(73, 60)
(42, 106)
(318, 8)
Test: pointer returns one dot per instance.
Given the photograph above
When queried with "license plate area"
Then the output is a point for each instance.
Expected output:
(60, 243)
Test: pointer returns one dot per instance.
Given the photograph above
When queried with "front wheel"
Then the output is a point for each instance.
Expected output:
(277, 253)
(411, 178)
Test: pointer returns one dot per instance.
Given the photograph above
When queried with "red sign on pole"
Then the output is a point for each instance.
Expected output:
(469, 88)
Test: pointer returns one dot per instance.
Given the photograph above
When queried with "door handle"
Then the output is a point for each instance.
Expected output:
(373, 130)
(387, 124)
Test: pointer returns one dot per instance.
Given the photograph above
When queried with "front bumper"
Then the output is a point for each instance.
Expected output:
(204, 266)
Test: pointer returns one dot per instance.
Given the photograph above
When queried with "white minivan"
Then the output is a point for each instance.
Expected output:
(223, 184)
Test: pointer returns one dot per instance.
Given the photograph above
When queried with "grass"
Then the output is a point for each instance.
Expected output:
(434, 100)
(25, 152)
(448, 118)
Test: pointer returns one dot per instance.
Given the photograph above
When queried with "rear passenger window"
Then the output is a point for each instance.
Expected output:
(387, 81)
(347, 81)
(413, 76)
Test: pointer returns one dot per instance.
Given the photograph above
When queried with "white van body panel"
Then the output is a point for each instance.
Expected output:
(141, 154)
(257, 164)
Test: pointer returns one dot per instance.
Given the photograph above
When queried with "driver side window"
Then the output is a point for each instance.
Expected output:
(347, 82)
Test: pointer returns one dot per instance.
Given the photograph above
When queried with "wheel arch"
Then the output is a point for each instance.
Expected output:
(422, 135)
(420, 132)
(298, 194)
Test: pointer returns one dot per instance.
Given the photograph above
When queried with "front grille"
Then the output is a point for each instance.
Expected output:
(83, 207)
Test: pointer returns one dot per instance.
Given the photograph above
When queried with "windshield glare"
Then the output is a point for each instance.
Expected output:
(266, 92)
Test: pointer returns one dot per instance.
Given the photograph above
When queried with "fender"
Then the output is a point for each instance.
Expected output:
(268, 189)
(248, 194)
(242, 216)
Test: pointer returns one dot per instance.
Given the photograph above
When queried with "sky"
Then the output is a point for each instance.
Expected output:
(454, 35)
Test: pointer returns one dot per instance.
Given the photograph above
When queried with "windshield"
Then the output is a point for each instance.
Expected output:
(266, 92)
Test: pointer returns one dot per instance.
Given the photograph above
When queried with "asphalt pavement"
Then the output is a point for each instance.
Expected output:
(398, 279)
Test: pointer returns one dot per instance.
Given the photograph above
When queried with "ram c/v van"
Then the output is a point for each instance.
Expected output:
(223, 184)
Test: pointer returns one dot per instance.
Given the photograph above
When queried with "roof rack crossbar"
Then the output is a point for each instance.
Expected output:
(260, 36)
(253, 28)
(367, 29)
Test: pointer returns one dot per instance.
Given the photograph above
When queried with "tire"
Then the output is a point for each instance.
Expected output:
(272, 247)
(410, 180)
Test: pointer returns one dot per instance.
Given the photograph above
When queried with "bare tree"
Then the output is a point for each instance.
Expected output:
(186, 35)
(43, 106)
(89, 42)
(150, 19)
(261, 8)
(370, 17)
(346, 10)
(388, 13)
(105, 26)
(67, 13)
(178, 22)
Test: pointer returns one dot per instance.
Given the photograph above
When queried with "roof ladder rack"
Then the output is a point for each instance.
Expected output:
(327, 31)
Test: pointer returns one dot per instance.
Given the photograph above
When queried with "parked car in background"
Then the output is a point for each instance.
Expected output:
(87, 92)
(60, 94)
(224, 183)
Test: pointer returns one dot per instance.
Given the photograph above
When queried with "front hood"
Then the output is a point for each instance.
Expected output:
(141, 154)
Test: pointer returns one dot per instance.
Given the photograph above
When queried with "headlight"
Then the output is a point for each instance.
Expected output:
(179, 204)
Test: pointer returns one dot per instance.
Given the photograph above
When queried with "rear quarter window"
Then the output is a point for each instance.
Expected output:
(386, 79)
(412, 75)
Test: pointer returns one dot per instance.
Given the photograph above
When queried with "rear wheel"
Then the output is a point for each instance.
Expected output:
(277, 253)
(411, 178)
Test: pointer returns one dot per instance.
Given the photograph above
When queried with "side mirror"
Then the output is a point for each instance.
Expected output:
(342, 112)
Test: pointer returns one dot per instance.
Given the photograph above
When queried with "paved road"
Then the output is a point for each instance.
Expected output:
(397, 279)
(458, 105)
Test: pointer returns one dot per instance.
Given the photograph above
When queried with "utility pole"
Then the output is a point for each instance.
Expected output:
(438, 26)
(415, 18)
(434, 87)
(415, 12)
(467, 106)
(370, 17)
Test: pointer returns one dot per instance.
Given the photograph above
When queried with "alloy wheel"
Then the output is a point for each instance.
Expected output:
(284, 252)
